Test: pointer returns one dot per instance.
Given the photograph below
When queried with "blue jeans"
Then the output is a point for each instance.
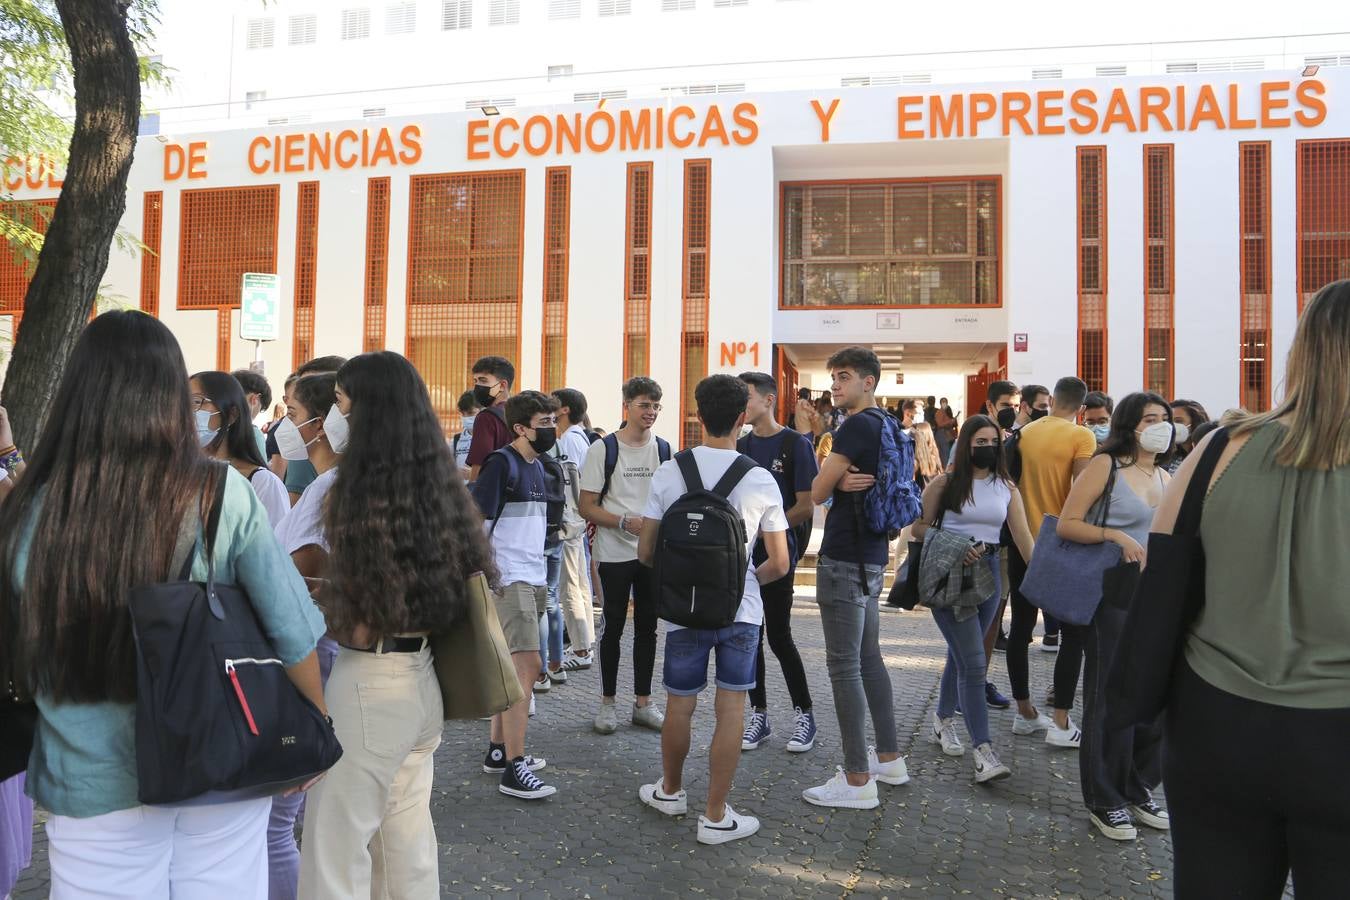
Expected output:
(963, 676)
(551, 623)
(688, 649)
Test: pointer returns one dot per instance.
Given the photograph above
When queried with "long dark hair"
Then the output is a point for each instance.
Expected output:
(404, 532)
(113, 477)
(236, 424)
(959, 489)
(1122, 444)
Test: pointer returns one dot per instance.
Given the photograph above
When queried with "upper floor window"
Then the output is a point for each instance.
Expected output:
(304, 29)
(261, 34)
(504, 12)
(355, 24)
(400, 18)
(456, 14)
(616, 8)
(564, 9)
(676, 5)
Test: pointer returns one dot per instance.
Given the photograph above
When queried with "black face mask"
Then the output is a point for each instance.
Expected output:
(984, 457)
(1006, 418)
(544, 439)
(483, 395)
(1037, 414)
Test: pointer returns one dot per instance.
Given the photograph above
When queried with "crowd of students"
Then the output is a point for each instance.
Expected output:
(354, 527)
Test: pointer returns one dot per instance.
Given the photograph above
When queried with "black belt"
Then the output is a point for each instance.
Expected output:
(393, 645)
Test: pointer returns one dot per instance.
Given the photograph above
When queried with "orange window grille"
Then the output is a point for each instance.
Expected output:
(152, 233)
(1092, 256)
(1254, 250)
(377, 263)
(223, 233)
(557, 240)
(464, 277)
(694, 319)
(1159, 269)
(306, 266)
(637, 275)
(887, 243)
(15, 271)
(1323, 188)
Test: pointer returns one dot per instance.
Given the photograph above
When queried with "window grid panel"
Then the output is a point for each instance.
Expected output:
(504, 12)
(15, 274)
(400, 18)
(303, 30)
(152, 234)
(557, 243)
(261, 34)
(1092, 262)
(1323, 188)
(616, 8)
(355, 24)
(464, 277)
(637, 278)
(694, 281)
(891, 243)
(456, 15)
(1254, 249)
(377, 263)
(1159, 270)
(564, 9)
(306, 271)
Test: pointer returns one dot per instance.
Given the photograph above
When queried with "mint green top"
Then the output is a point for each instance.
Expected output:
(84, 754)
(1276, 623)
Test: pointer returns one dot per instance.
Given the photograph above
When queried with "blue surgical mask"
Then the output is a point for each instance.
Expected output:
(1102, 432)
(205, 433)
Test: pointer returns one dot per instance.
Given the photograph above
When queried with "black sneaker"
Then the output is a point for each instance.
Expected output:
(1050, 643)
(1001, 642)
(495, 761)
(993, 698)
(1114, 823)
(519, 781)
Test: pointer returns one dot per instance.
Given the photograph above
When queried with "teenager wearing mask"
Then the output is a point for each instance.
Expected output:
(493, 377)
(258, 396)
(1188, 416)
(405, 536)
(299, 475)
(468, 414)
(1000, 404)
(225, 432)
(1097, 410)
(574, 591)
(1119, 768)
(975, 500)
(65, 630)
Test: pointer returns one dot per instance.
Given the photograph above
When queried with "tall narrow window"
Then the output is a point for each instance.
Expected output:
(377, 262)
(152, 231)
(1323, 215)
(557, 239)
(464, 277)
(637, 271)
(15, 273)
(1159, 269)
(306, 270)
(456, 15)
(1254, 247)
(355, 24)
(1092, 342)
(694, 322)
(504, 12)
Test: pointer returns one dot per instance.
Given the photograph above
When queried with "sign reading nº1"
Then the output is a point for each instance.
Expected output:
(260, 307)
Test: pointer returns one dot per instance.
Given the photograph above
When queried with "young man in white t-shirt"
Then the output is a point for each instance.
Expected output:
(721, 408)
(615, 509)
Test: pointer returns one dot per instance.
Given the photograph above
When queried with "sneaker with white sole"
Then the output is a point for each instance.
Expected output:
(648, 716)
(804, 735)
(519, 781)
(674, 805)
(733, 827)
(557, 676)
(607, 719)
(1115, 824)
(1024, 726)
(988, 767)
(543, 684)
(532, 705)
(1069, 738)
(572, 662)
(757, 731)
(837, 792)
(1151, 814)
(495, 761)
(893, 772)
(943, 732)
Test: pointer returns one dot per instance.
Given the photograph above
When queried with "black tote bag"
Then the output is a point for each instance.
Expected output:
(18, 724)
(1168, 597)
(217, 717)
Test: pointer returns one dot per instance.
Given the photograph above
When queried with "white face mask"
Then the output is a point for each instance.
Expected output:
(918, 416)
(205, 433)
(1156, 438)
(289, 441)
(335, 426)
(1182, 433)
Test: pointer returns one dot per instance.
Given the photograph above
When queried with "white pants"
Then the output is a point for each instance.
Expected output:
(368, 829)
(162, 852)
(574, 594)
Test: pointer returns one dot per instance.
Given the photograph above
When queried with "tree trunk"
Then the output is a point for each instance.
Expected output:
(75, 253)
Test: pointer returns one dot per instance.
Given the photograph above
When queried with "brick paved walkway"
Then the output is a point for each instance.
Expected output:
(940, 835)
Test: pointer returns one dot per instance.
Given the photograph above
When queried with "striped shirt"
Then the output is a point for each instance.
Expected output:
(516, 516)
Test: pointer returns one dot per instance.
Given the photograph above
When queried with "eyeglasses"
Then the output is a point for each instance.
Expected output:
(648, 407)
(198, 400)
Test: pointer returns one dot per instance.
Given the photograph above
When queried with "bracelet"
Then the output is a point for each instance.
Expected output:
(8, 450)
(11, 459)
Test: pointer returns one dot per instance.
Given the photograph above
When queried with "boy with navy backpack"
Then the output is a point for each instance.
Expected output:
(701, 519)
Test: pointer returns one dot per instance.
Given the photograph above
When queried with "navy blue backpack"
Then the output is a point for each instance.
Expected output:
(895, 501)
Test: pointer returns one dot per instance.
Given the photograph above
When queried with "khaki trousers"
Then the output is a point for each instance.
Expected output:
(574, 594)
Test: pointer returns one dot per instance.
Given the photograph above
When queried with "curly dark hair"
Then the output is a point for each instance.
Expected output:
(404, 532)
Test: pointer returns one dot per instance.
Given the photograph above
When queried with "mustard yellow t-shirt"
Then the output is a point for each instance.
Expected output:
(1049, 447)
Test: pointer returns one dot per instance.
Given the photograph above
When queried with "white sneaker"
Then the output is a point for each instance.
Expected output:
(648, 716)
(543, 684)
(943, 731)
(572, 662)
(557, 677)
(893, 772)
(531, 706)
(1069, 738)
(839, 793)
(675, 805)
(733, 827)
(1024, 726)
(987, 765)
(607, 719)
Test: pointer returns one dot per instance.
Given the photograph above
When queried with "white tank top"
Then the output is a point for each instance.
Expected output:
(982, 518)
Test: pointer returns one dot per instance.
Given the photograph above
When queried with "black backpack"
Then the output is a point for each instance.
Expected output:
(700, 561)
(801, 532)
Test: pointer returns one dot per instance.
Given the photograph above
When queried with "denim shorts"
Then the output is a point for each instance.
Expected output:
(688, 649)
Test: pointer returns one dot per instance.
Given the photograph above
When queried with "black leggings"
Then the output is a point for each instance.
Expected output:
(1068, 661)
(1255, 791)
(777, 597)
(617, 580)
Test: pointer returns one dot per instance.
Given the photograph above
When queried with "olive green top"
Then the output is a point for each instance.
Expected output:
(1276, 623)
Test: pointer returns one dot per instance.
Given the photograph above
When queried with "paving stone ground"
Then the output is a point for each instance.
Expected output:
(940, 835)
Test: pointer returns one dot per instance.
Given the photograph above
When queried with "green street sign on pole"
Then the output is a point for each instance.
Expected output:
(260, 307)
